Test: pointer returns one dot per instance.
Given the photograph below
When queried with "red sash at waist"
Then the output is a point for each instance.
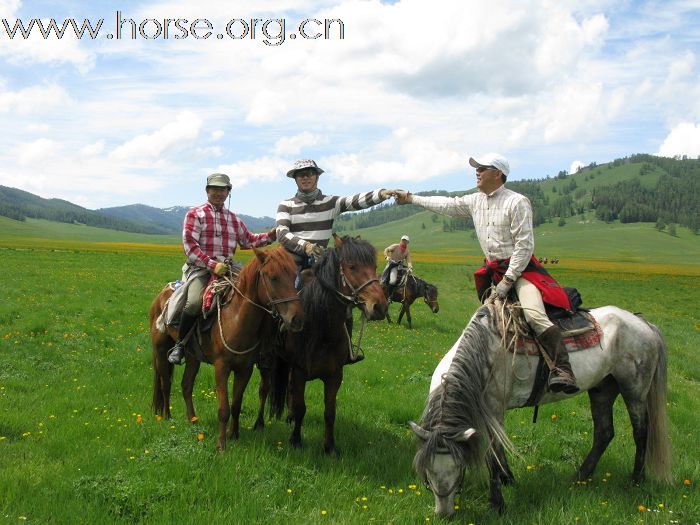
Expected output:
(493, 272)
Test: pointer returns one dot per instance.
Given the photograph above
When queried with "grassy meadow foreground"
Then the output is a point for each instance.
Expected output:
(78, 442)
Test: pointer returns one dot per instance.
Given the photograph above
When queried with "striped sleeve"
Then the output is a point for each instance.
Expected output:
(361, 201)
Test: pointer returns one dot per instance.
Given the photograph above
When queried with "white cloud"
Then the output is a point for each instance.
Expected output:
(293, 145)
(37, 152)
(575, 166)
(217, 134)
(184, 129)
(34, 100)
(684, 139)
(246, 172)
(93, 149)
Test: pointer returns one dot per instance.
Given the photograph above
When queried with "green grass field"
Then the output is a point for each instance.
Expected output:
(78, 442)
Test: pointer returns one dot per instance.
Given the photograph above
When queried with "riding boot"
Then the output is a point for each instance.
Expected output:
(561, 378)
(177, 352)
(352, 356)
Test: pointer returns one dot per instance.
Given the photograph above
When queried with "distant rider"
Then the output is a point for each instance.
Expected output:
(397, 255)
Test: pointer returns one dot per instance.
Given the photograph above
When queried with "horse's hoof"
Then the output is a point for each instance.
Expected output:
(295, 444)
(259, 425)
(332, 452)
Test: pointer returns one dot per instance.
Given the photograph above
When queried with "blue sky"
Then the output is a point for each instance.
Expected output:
(411, 91)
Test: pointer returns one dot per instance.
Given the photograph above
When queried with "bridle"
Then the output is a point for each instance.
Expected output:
(273, 310)
(453, 488)
(272, 303)
(354, 296)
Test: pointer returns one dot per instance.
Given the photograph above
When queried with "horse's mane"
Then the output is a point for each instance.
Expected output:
(459, 403)
(319, 295)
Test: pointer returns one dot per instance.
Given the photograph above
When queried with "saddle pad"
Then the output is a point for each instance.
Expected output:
(575, 343)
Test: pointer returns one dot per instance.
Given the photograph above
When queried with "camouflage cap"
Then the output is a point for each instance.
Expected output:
(302, 165)
(219, 179)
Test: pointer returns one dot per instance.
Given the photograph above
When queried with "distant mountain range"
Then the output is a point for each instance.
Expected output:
(136, 218)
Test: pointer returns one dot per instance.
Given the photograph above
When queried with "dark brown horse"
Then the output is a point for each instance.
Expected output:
(265, 286)
(346, 277)
(410, 290)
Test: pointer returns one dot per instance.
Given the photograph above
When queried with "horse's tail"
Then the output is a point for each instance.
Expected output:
(279, 381)
(162, 369)
(658, 454)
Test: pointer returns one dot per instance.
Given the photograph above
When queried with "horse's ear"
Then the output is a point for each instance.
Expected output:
(464, 436)
(419, 431)
(338, 241)
(358, 237)
(260, 254)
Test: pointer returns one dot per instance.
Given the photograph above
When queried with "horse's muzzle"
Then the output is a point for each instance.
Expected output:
(376, 311)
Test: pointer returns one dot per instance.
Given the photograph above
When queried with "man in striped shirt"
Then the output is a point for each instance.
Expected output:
(503, 223)
(305, 221)
(210, 234)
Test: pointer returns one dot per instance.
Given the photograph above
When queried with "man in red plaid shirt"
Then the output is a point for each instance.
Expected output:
(210, 234)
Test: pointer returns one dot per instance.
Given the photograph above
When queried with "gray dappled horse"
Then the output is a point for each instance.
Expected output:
(462, 423)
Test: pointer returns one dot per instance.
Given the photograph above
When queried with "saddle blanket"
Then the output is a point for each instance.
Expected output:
(528, 345)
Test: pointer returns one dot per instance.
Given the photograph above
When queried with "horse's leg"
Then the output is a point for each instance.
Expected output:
(496, 500)
(263, 391)
(162, 376)
(188, 379)
(506, 475)
(297, 405)
(331, 385)
(221, 373)
(403, 311)
(240, 382)
(637, 410)
(408, 316)
(602, 398)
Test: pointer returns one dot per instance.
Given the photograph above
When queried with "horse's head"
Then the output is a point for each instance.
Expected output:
(441, 464)
(431, 297)
(358, 272)
(277, 272)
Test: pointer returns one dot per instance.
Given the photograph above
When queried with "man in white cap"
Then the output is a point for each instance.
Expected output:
(210, 234)
(396, 254)
(305, 221)
(503, 223)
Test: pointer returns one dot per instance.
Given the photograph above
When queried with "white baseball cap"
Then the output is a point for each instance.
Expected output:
(405, 238)
(493, 160)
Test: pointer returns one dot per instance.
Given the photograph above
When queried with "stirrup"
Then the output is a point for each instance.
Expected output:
(562, 381)
(176, 353)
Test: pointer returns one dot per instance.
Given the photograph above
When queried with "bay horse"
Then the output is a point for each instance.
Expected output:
(407, 293)
(265, 287)
(346, 277)
(477, 380)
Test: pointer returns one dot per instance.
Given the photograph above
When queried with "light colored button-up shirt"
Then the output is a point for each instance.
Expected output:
(502, 219)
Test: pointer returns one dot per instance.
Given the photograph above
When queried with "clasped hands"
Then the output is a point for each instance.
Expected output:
(401, 196)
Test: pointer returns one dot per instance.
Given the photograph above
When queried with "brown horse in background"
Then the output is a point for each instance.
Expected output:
(406, 293)
(265, 287)
(346, 277)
